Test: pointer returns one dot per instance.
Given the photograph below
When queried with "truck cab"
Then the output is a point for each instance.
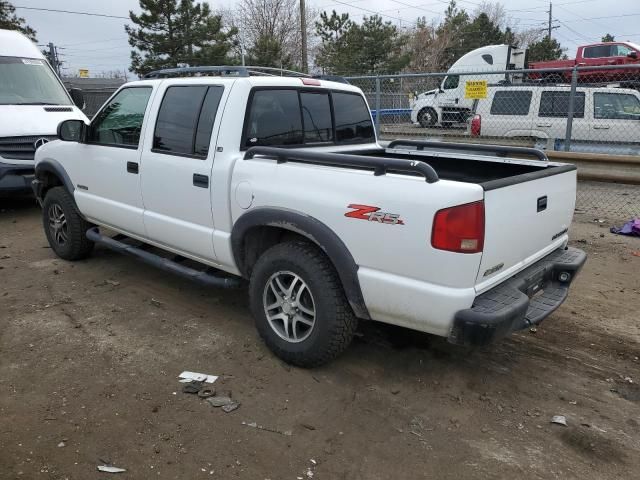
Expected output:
(33, 102)
(447, 104)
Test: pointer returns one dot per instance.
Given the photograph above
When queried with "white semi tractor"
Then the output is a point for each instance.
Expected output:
(447, 104)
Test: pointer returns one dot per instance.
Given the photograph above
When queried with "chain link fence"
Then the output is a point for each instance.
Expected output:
(590, 113)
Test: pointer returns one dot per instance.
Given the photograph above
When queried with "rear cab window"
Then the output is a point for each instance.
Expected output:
(511, 102)
(556, 104)
(301, 116)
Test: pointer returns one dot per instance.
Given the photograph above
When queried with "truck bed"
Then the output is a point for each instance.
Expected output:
(490, 172)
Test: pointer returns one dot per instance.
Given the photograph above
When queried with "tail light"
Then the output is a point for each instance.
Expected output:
(476, 125)
(459, 229)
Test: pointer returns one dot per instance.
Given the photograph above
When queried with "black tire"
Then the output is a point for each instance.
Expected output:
(67, 237)
(427, 117)
(334, 321)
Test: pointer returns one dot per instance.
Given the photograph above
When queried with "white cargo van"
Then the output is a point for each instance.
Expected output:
(446, 105)
(33, 102)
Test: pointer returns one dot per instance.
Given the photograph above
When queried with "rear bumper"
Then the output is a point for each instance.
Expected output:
(517, 303)
(15, 178)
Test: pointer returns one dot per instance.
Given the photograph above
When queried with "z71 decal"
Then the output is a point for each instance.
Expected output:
(373, 214)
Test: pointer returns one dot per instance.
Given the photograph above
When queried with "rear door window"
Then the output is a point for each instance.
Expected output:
(511, 102)
(556, 104)
(352, 117)
(185, 120)
(598, 51)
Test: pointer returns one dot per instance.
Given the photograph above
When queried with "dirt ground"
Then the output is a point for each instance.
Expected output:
(90, 353)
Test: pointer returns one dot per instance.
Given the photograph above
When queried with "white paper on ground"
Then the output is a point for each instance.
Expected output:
(198, 377)
(105, 468)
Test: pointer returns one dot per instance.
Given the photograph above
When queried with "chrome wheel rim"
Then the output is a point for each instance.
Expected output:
(58, 225)
(289, 306)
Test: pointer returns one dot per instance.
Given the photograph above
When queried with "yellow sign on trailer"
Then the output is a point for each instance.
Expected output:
(475, 89)
(83, 73)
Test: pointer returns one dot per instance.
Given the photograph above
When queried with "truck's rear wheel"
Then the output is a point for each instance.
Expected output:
(64, 227)
(299, 306)
(427, 117)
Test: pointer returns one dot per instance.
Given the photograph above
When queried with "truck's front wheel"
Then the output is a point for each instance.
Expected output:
(299, 305)
(64, 226)
(427, 117)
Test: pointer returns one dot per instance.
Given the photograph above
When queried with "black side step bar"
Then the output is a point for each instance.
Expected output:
(166, 264)
(380, 165)
(499, 150)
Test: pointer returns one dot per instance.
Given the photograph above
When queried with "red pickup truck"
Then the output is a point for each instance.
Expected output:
(607, 53)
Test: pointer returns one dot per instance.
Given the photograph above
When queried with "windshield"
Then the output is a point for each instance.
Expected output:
(29, 81)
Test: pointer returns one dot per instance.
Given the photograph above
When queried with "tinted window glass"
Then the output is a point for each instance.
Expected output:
(514, 102)
(451, 81)
(274, 118)
(177, 119)
(120, 121)
(597, 52)
(621, 50)
(316, 116)
(616, 106)
(556, 104)
(207, 117)
(353, 120)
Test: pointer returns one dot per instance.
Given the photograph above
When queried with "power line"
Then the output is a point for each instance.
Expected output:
(72, 12)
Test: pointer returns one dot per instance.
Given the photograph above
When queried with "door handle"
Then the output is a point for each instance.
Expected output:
(201, 181)
(132, 167)
(601, 127)
(543, 124)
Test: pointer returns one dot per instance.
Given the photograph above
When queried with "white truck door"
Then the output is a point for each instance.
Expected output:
(616, 117)
(107, 164)
(176, 168)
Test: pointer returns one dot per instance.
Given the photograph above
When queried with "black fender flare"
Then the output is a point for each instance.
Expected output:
(52, 166)
(315, 231)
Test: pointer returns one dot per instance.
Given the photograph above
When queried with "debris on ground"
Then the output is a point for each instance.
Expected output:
(559, 419)
(198, 377)
(219, 400)
(62, 444)
(156, 303)
(113, 283)
(206, 392)
(230, 407)
(631, 228)
(192, 387)
(109, 469)
(286, 433)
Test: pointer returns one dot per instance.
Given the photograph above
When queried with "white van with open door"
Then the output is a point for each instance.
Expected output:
(33, 101)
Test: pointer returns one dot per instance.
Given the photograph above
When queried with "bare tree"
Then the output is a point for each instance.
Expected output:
(275, 21)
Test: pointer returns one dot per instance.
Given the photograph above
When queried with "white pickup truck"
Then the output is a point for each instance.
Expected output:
(219, 175)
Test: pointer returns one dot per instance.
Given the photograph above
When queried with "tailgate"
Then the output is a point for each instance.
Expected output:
(524, 222)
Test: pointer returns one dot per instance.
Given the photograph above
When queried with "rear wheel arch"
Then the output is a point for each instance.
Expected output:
(260, 229)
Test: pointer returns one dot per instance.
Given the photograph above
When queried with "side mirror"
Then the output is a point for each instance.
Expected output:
(78, 97)
(71, 130)
(632, 55)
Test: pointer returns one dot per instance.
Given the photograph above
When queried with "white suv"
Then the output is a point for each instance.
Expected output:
(600, 114)
(280, 181)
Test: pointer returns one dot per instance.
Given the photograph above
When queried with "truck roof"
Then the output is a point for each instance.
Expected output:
(15, 44)
(258, 81)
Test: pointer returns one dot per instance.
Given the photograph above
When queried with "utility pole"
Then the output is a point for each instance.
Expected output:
(303, 32)
(53, 58)
(550, 19)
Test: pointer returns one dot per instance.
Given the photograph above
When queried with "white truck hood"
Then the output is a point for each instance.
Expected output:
(23, 120)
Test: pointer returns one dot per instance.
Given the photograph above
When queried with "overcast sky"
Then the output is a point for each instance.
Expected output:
(100, 43)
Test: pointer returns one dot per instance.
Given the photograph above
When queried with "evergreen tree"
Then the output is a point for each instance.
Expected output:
(10, 21)
(171, 33)
(371, 47)
(545, 49)
(268, 52)
(608, 38)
